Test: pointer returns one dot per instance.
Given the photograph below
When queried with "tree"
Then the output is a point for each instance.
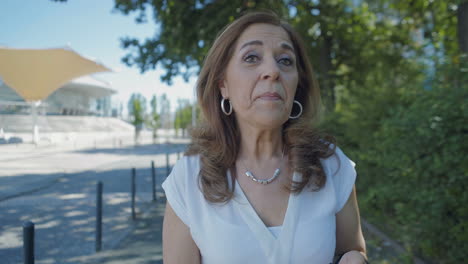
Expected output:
(165, 111)
(337, 34)
(176, 46)
(154, 119)
(183, 116)
(462, 16)
(137, 112)
(344, 41)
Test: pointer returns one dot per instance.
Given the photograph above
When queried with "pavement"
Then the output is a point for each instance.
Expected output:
(54, 186)
(143, 245)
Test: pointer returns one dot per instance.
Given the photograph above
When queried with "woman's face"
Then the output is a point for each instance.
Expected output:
(261, 77)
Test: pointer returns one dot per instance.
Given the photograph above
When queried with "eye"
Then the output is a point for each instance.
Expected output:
(286, 61)
(251, 58)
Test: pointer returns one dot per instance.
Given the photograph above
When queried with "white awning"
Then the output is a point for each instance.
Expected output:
(90, 86)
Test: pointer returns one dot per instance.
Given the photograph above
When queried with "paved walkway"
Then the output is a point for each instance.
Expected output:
(55, 188)
(143, 245)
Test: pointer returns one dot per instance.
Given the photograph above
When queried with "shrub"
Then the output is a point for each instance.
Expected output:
(412, 161)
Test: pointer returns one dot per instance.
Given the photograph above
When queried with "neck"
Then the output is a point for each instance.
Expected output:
(261, 153)
(261, 145)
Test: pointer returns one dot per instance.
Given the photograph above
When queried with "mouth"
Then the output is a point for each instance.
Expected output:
(270, 96)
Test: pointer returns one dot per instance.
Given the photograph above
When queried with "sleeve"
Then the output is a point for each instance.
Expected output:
(344, 176)
(175, 189)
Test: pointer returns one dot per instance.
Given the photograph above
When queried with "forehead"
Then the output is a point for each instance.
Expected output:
(265, 33)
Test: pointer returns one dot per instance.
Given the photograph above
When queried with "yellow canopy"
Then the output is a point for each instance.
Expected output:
(35, 73)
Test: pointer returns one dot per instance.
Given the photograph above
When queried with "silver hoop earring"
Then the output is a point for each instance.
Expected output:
(300, 112)
(230, 106)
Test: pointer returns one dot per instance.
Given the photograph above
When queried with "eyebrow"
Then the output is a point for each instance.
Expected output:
(260, 43)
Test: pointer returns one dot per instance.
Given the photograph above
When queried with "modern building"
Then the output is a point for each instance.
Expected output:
(82, 96)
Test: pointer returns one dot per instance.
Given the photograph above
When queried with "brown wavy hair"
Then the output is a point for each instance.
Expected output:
(216, 139)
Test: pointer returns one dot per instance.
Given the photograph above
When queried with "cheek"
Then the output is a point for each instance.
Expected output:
(291, 82)
(242, 94)
(241, 84)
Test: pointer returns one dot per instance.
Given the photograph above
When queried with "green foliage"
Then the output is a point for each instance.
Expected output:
(186, 30)
(153, 120)
(137, 109)
(165, 111)
(437, 21)
(413, 164)
(422, 150)
(345, 41)
(183, 118)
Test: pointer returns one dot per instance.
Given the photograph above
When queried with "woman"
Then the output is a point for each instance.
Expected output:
(259, 184)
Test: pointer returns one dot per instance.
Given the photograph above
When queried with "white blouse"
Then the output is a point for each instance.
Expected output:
(234, 233)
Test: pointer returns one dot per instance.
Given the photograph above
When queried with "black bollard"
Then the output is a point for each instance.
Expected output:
(99, 216)
(167, 164)
(153, 176)
(28, 242)
(133, 193)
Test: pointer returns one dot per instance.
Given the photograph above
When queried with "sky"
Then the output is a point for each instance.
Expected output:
(93, 29)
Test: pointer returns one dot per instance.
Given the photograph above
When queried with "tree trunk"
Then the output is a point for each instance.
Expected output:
(327, 85)
(462, 15)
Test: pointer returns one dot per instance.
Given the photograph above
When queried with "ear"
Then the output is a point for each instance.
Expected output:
(223, 89)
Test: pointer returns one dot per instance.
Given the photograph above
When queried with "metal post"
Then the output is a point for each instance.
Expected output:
(167, 164)
(99, 216)
(35, 127)
(178, 155)
(153, 175)
(28, 242)
(133, 193)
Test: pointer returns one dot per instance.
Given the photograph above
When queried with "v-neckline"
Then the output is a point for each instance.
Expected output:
(267, 240)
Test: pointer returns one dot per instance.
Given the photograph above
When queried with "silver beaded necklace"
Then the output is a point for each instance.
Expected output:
(249, 174)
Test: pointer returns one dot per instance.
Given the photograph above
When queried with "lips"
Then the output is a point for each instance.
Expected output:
(270, 96)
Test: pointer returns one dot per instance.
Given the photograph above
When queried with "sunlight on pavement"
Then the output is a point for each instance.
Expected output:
(117, 198)
(50, 224)
(72, 196)
(75, 213)
(11, 238)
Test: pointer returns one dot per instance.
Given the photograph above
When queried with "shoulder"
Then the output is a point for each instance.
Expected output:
(337, 162)
(177, 186)
(341, 172)
(183, 174)
(188, 161)
(186, 169)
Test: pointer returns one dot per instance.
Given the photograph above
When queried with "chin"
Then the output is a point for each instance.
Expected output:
(270, 120)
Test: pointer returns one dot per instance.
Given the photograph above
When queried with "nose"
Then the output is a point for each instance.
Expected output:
(270, 70)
